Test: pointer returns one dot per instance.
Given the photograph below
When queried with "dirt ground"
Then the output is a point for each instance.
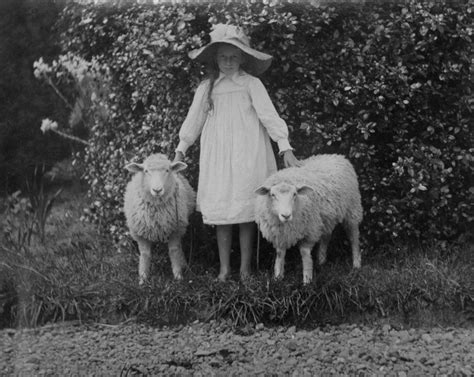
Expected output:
(213, 349)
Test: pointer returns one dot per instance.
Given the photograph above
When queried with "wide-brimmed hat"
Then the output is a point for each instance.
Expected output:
(256, 63)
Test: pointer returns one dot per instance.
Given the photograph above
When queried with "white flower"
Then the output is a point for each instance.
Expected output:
(41, 68)
(48, 125)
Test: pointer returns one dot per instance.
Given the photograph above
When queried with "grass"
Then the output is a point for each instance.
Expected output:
(74, 273)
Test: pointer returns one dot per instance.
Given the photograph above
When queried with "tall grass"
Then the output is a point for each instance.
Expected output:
(73, 273)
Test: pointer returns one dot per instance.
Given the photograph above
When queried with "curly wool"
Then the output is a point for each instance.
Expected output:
(335, 198)
(156, 218)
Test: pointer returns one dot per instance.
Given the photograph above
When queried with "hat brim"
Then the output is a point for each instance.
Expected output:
(256, 62)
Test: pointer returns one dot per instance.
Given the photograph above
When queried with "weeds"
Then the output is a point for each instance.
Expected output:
(24, 218)
(41, 202)
(18, 224)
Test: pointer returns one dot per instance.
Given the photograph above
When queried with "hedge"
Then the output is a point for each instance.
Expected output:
(386, 85)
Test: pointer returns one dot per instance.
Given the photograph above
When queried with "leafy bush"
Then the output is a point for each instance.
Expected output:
(386, 85)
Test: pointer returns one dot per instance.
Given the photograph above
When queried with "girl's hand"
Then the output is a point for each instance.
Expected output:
(179, 156)
(290, 160)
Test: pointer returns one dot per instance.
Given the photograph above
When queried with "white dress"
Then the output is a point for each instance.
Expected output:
(236, 153)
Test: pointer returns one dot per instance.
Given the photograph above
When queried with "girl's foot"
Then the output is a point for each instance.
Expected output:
(245, 274)
(223, 276)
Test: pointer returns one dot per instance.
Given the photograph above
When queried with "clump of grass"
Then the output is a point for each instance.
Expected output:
(77, 274)
(412, 285)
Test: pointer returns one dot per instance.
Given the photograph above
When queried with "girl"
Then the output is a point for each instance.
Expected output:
(235, 117)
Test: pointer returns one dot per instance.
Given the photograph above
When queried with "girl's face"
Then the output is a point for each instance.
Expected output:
(229, 59)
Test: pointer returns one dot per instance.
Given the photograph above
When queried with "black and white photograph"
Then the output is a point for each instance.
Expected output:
(236, 188)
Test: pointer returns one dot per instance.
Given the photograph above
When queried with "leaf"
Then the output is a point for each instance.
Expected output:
(304, 126)
(181, 25)
(379, 29)
(148, 52)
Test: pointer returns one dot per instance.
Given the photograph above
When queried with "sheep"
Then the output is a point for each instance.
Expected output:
(304, 204)
(157, 204)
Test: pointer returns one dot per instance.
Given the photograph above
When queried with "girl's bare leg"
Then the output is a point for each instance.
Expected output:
(246, 239)
(224, 243)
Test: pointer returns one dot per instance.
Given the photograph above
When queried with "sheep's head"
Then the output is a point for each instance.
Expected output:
(283, 198)
(157, 173)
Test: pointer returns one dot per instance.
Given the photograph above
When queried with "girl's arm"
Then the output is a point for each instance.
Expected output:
(194, 122)
(275, 126)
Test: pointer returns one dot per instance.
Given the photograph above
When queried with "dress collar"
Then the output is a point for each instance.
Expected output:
(237, 77)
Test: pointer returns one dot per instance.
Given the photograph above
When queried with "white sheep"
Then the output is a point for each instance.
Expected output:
(158, 202)
(303, 205)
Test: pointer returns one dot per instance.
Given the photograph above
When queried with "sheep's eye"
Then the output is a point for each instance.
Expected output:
(272, 195)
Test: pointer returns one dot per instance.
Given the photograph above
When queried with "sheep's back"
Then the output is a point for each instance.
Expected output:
(332, 177)
(335, 181)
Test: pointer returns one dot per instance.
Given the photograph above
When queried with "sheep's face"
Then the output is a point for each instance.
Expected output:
(157, 174)
(283, 198)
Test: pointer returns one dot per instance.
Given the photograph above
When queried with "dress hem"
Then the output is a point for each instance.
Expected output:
(228, 222)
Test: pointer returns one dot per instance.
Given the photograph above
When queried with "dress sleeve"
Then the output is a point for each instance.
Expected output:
(194, 122)
(266, 112)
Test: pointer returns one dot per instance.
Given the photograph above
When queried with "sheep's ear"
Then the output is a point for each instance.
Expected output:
(134, 167)
(178, 166)
(262, 190)
(304, 190)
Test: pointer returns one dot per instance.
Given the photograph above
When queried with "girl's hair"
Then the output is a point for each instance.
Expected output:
(213, 73)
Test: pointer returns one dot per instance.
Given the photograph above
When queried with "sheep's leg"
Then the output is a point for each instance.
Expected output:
(144, 246)
(323, 248)
(352, 230)
(280, 263)
(175, 252)
(305, 251)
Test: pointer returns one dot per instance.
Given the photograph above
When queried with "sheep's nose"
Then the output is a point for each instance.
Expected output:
(158, 191)
(285, 217)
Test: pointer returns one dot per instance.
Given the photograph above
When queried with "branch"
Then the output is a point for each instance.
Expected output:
(71, 137)
(50, 82)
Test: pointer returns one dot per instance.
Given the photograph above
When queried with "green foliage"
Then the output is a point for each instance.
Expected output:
(41, 202)
(82, 86)
(387, 85)
(25, 218)
(18, 223)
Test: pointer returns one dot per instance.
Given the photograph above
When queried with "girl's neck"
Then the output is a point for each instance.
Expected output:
(230, 75)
